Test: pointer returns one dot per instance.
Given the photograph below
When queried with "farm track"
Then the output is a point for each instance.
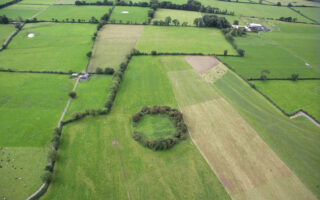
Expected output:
(301, 113)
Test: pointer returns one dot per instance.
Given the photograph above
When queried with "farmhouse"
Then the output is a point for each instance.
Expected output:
(84, 77)
(257, 27)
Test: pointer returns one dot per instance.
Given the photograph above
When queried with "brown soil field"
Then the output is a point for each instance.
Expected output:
(202, 64)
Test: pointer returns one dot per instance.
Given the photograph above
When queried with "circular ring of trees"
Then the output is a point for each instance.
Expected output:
(161, 144)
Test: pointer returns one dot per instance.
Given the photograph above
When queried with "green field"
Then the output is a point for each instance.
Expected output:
(113, 44)
(45, 2)
(24, 11)
(293, 95)
(253, 10)
(135, 15)
(313, 13)
(31, 105)
(155, 127)
(68, 12)
(45, 52)
(91, 94)
(5, 31)
(115, 166)
(295, 141)
(4, 1)
(173, 40)
(283, 52)
(186, 16)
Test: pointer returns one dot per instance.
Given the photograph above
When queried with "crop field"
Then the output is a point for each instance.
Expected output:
(243, 175)
(5, 31)
(187, 16)
(69, 13)
(44, 52)
(313, 13)
(282, 52)
(295, 141)
(113, 44)
(133, 15)
(31, 105)
(173, 40)
(293, 95)
(128, 168)
(23, 11)
(90, 95)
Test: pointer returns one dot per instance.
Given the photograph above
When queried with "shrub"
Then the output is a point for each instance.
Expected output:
(241, 52)
(225, 53)
(72, 94)
(89, 54)
(153, 53)
(108, 70)
(46, 177)
(99, 70)
(295, 77)
(52, 156)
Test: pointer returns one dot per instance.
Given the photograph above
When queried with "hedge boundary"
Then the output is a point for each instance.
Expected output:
(7, 41)
(161, 143)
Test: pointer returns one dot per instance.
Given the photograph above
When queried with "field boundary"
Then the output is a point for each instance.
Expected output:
(7, 41)
(9, 3)
(315, 21)
(269, 99)
(283, 79)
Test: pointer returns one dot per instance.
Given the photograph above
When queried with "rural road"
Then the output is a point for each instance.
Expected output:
(301, 113)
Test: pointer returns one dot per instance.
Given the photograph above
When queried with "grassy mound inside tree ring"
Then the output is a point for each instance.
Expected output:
(159, 127)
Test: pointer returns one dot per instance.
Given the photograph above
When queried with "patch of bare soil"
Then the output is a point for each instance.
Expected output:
(202, 64)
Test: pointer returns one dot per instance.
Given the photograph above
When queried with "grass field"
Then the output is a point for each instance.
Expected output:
(45, 52)
(173, 40)
(113, 44)
(293, 95)
(91, 94)
(283, 52)
(135, 15)
(24, 11)
(252, 10)
(155, 127)
(5, 31)
(45, 2)
(186, 16)
(129, 170)
(63, 12)
(295, 2)
(295, 141)
(313, 13)
(245, 165)
(31, 105)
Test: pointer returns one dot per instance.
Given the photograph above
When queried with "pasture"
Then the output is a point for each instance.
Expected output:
(91, 94)
(44, 52)
(24, 11)
(173, 40)
(293, 95)
(291, 48)
(133, 15)
(5, 31)
(313, 13)
(187, 16)
(252, 10)
(70, 13)
(113, 44)
(45, 2)
(155, 126)
(248, 170)
(31, 105)
(295, 141)
(129, 170)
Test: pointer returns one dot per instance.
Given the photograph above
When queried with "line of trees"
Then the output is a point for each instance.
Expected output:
(212, 21)
(4, 19)
(288, 19)
(161, 143)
